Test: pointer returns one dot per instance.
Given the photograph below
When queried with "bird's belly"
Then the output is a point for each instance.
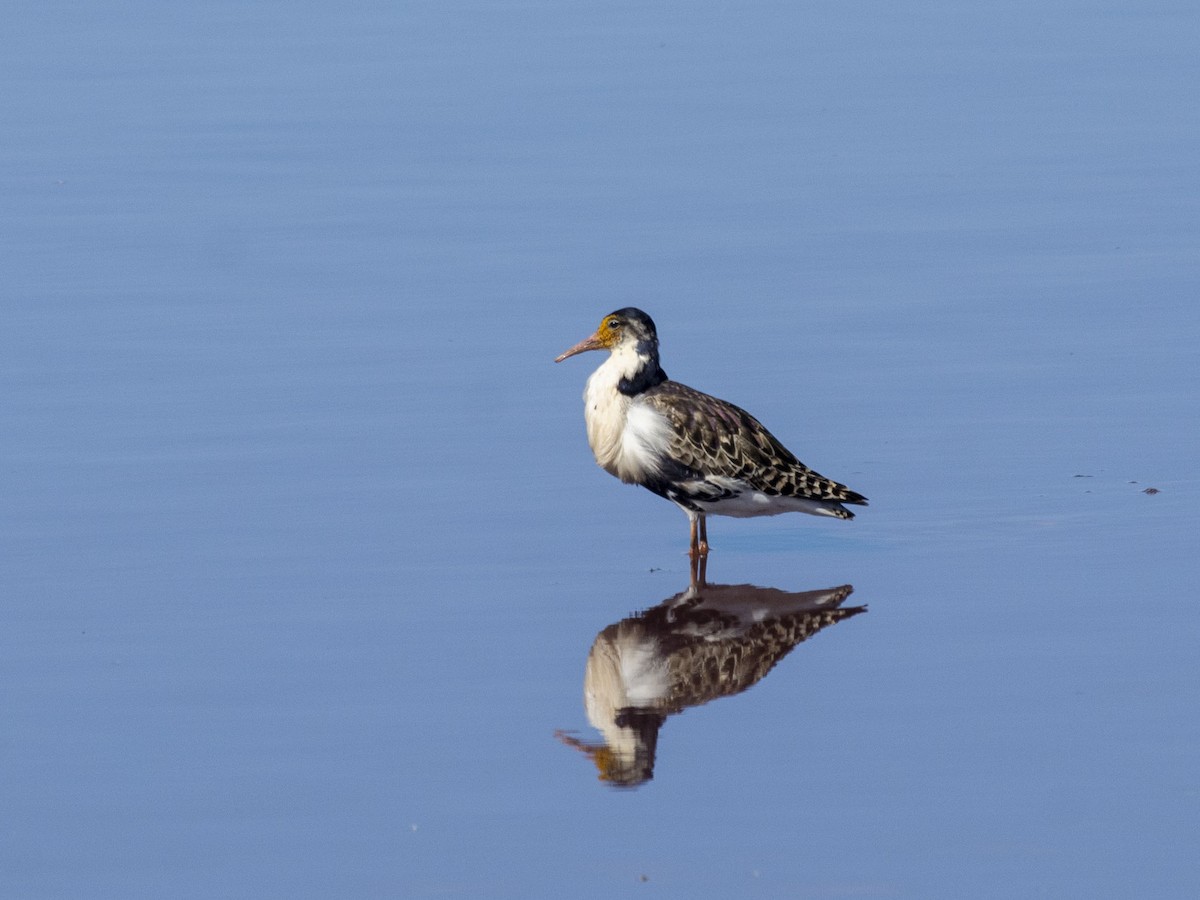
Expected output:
(746, 503)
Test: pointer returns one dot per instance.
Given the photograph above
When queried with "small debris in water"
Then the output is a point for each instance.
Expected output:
(1083, 476)
(1151, 491)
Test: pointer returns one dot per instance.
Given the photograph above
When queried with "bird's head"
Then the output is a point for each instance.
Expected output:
(627, 328)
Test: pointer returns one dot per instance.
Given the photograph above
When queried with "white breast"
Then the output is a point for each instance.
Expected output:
(643, 443)
(626, 437)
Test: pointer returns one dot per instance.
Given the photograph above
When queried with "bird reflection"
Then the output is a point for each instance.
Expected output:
(712, 640)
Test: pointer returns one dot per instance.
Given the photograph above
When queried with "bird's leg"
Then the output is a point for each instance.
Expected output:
(698, 550)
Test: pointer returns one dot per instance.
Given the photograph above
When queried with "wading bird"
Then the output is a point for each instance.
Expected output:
(707, 456)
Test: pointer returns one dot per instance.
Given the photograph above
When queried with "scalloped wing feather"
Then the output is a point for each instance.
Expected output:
(715, 439)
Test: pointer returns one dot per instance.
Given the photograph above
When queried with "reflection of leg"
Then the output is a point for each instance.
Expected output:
(703, 535)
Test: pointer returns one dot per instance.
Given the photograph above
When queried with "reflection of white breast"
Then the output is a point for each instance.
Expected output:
(644, 673)
(623, 669)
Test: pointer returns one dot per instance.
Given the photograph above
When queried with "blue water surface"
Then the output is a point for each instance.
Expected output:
(304, 549)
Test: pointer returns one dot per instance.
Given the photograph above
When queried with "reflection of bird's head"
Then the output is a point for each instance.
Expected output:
(620, 771)
(619, 766)
(627, 328)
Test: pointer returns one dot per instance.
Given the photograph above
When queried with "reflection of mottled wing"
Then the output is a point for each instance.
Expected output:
(705, 670)
(710, 437)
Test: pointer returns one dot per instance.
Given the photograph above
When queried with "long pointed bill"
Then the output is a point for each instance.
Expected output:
(592, 343)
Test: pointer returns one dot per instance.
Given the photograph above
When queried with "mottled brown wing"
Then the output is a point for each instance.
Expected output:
(713, 438)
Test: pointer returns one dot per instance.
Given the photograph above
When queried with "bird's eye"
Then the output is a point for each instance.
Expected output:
(614, 324)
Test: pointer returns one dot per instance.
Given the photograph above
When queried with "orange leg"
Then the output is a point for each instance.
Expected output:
(698, 551)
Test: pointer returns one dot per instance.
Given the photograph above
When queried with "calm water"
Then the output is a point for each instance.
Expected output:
(304, 552)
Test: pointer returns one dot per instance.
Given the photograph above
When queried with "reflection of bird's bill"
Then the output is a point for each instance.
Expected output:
(704, 643)
(620, 766)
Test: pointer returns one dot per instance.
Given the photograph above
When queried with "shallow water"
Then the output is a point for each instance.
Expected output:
(305, 551)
